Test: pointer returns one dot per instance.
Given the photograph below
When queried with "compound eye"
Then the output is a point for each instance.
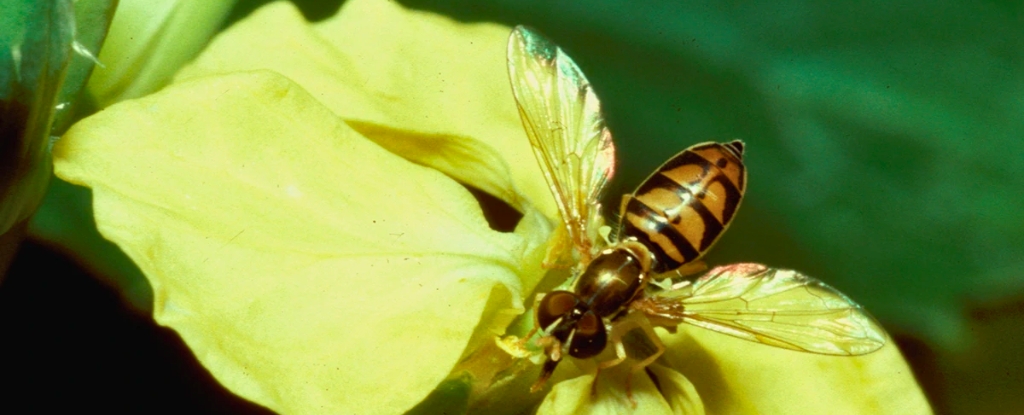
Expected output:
(590, 337)
(554, 305)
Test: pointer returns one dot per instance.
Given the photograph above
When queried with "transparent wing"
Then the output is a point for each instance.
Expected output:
(781, 308)
(562, 117)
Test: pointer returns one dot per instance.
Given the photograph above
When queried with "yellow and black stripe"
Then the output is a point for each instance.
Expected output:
(682, 209)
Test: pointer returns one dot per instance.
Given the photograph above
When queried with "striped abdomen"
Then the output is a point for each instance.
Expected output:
(682, 209)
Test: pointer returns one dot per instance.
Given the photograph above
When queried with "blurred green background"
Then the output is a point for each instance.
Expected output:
(885, 145)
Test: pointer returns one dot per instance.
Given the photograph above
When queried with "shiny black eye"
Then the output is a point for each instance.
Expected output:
(554, 305)
(590, 337)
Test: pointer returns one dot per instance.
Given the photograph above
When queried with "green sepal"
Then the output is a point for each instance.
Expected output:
(35, 48)
(92, 21)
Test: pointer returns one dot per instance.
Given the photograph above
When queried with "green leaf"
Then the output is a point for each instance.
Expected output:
(92, 20)
(35, 47)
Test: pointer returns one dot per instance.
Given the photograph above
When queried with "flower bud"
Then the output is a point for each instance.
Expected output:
(149, 41)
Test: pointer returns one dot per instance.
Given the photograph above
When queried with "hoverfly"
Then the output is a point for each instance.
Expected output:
(665, 227)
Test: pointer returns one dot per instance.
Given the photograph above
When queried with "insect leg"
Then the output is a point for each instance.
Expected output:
(648, 332)
(651, 336)
(552, 347)
(620, 356)
(536, 326)
(631, 322)
(619, 329)
(516, 346)
(545, 373)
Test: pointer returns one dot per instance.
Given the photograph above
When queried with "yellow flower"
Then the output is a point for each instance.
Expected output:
(294, 199)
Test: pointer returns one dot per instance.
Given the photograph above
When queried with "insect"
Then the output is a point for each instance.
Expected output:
(665, 227)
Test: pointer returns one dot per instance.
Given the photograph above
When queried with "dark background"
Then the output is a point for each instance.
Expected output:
(71, 344)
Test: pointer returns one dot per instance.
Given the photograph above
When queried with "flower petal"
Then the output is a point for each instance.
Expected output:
(678, 391)
(422, 85)
(740, 377)
(673, 394)
(308, 269)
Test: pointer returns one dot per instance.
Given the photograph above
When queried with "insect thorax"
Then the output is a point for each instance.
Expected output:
(614, 278)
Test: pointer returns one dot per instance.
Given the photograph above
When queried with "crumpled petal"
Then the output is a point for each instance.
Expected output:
(673, 394)
(308, 269)
(735, 376)
(422, 85)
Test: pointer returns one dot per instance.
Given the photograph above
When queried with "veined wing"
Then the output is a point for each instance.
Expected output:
(562, 117)
(781, 308)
